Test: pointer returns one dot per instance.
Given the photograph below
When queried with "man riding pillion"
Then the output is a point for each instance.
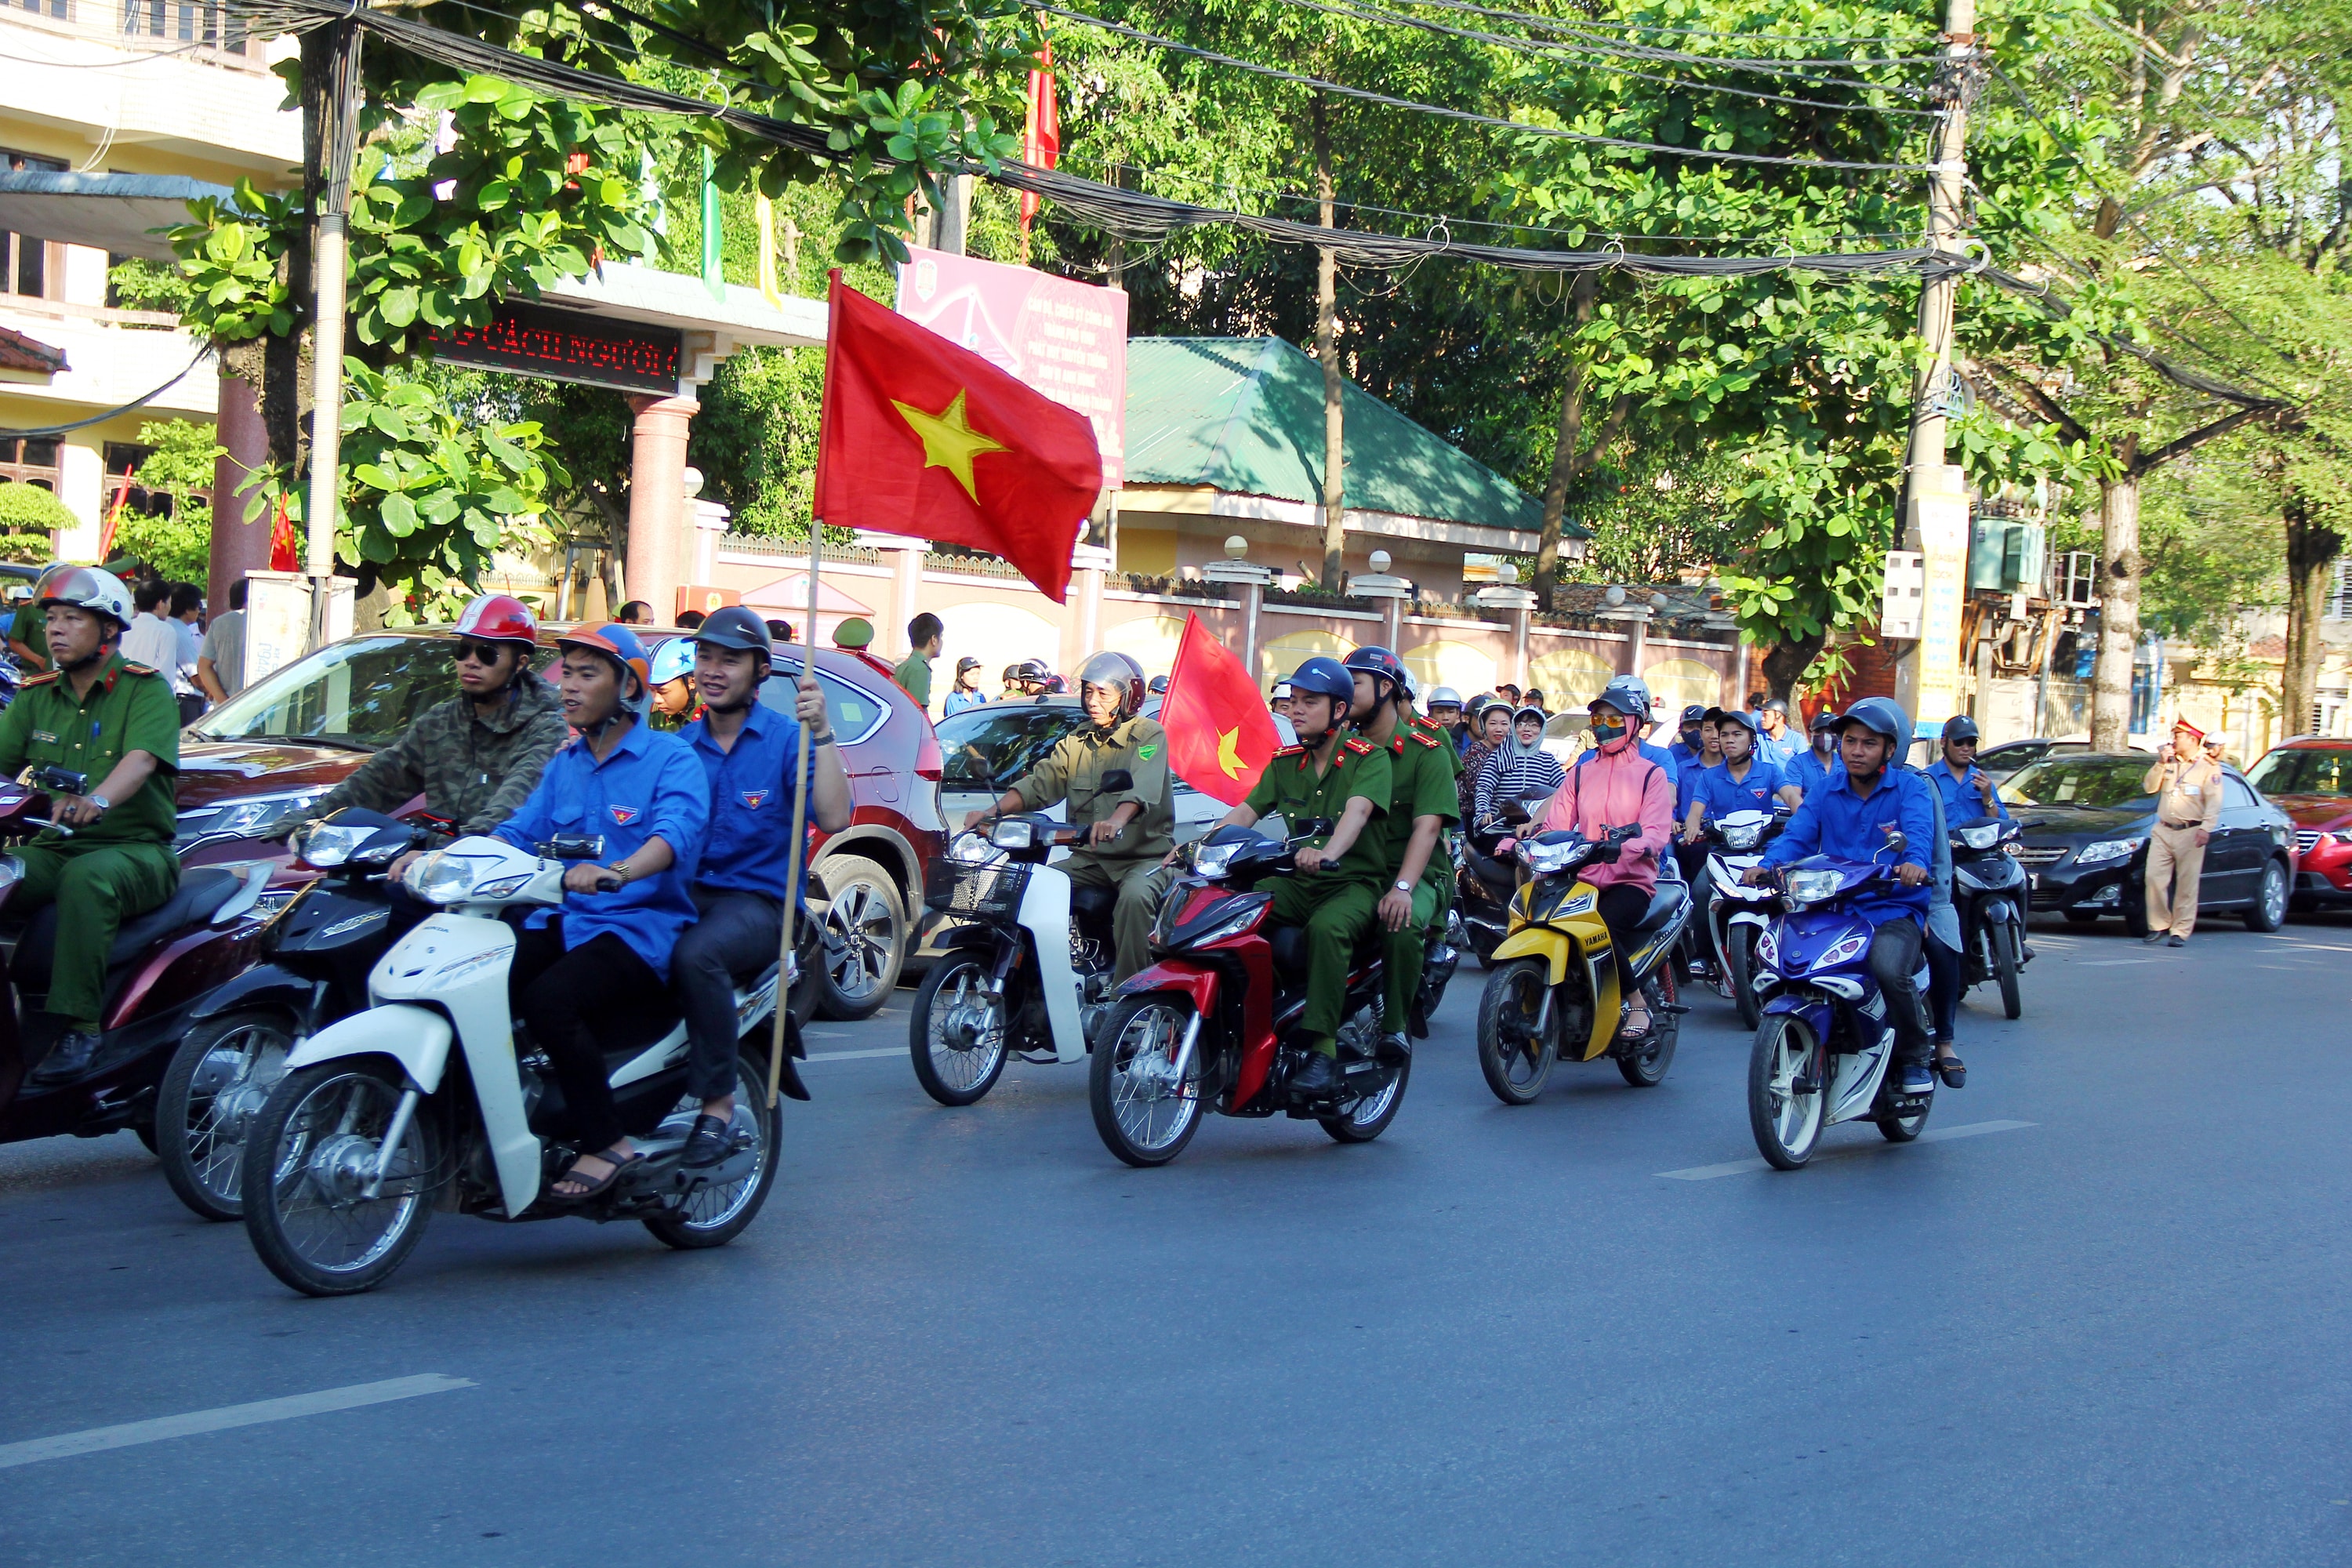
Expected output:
(1814, 767)
(749, 755)
(116, 722)
(1348, 781)
(1411, 831)
(478, 756)
(1967, 790)
(643, 793)
(1114, 771)
(1851, 817)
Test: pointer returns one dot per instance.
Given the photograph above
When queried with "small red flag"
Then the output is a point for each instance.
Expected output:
(1219, 734)
(1041, 135)
(921, 437)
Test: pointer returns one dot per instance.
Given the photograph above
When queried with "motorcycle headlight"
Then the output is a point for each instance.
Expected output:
(1740, 838)
(2107, 849)
(1551, 859)
(1214, 861)
(972, 849)
(1983, 836)
(439, 877)
(1013, 834)
(1812, 887)
(323, 844)
(1845, 951)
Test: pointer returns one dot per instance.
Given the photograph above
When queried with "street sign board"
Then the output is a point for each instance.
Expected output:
(557, 344)
(1065, 339)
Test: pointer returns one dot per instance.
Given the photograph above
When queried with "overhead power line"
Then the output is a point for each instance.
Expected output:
(1468, 117)
(1582, 24)
(1588, 38)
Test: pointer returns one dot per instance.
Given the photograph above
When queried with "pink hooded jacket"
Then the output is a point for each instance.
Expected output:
(1609, 788)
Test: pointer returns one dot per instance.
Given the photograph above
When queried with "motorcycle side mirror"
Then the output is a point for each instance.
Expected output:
(1783, 811)
(1897, 842)
(574, 846)
(1118, 778)
(1313, 827)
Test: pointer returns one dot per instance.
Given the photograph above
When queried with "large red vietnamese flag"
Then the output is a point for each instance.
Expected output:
(921, 437)
(1220, 735)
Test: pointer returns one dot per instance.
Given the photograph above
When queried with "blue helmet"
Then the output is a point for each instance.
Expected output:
(673, 660)
(1882, 716)
(1381, 665)
(1325, 675)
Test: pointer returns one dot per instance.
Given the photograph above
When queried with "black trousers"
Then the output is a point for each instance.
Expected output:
(558, 993)
(1945, 969)
(736, 936)
(1894, 954)
(1620, 909)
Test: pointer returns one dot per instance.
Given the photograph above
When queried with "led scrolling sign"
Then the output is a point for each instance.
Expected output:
(569, 345)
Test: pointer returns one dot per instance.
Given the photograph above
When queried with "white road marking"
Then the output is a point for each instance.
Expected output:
(1933, 1136)
(98, 1438)
(2111, 963)
(854, 1056)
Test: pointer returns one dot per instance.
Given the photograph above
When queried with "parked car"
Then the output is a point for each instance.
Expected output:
(2008, 757)
(266, 755)
(984, 751)
(2311, 780)
(2085, 818)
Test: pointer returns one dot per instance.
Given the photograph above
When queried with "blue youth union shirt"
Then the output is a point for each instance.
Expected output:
(1837, 822)
(1722, 795)
(749, 849)
(1808, 770)
(649, 787)
(1780, 753)
(1963, 801)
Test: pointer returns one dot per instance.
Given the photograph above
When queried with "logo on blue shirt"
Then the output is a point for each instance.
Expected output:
(756, 798)
(623, 815)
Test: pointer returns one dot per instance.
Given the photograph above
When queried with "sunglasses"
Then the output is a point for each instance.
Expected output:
(472, 652)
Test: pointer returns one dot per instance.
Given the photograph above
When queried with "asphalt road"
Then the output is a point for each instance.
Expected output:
(2109, 1331)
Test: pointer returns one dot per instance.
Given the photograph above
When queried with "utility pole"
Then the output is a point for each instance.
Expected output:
(331, 263)
(1936, 508)
(1327, 311)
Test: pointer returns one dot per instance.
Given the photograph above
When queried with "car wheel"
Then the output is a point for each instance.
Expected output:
(864, 924)
(2268, 912)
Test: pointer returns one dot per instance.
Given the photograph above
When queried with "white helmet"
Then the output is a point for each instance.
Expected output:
(85, 588)
(1444, 696)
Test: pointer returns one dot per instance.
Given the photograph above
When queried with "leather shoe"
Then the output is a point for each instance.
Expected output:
(1319, 1080)
(2153, 937)
(710, 1141)
(2176, 941)
(69, 1058)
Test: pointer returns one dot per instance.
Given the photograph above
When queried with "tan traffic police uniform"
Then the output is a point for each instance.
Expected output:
(1082, 768)
(2189, 801)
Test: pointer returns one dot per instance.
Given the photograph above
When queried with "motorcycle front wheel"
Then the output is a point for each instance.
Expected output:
(222, 1074)
(1787, 1124)
(956, 1032)
(1741, 962)
(1514, 1054)
(1145, 1110)
(2004, 970)
(715, 1216)
(314, 1145)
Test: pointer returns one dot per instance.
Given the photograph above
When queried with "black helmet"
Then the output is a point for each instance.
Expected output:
(736, 627)
(1776, 705)
(1827, 718)
(1381, 665)
(1880, 716)
(1159, 686)
(1694, 713)
(1739, 716)
(1960, 727)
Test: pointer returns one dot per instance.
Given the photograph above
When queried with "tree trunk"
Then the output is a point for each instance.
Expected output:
(1564, 465)
(283, 409)
(2312, 551)
(1326, 325)
(2111, 677)
(1787, 663)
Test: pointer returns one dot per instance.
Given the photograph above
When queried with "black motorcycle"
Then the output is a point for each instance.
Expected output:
(1988, 895)
(1484, 882)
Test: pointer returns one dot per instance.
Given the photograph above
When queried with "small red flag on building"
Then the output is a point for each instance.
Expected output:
(921, 437)
(1219, 734)
(1041, 135)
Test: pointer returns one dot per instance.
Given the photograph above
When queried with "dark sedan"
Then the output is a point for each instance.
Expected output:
(2085, 818)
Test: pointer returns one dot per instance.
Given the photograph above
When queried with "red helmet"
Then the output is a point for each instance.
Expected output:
(498, 617)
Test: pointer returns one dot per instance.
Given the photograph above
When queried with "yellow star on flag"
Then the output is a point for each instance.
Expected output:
(1229, 757)
(949, 441)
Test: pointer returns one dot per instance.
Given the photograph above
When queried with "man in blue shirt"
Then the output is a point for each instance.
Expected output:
(1687, 745)
(1967, 789)
(1774, 742)
(1743, 781)
(750, 757)
(1818, 763)
(1852, 818)
(640, 793)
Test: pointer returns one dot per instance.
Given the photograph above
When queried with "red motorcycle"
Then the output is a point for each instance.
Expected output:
(160, 965)
(1215, 1022)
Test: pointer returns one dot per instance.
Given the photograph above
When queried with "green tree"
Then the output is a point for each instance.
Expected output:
(30, 520)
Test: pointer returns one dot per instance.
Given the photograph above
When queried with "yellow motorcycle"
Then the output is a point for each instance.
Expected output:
(1551, 986)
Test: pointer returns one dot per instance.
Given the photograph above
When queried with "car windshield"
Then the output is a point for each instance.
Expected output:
(364, 692)
(992, 746)
(2102, 783)
(2304, 773)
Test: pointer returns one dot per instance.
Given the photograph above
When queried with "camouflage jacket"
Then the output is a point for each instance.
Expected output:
(474, 772)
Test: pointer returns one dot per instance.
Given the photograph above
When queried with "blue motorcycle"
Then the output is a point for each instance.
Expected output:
(1823, 1050)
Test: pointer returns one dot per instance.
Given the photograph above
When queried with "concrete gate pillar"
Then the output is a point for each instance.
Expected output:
(658, 515)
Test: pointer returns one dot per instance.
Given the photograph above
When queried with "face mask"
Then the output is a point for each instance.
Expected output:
(1604, 734)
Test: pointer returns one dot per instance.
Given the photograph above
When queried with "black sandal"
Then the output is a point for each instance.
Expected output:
(595, 1188)
(1631, 1035)
(1953, 1071)
(710, 1141)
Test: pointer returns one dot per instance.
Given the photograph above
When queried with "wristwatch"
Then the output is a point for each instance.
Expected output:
(99, 800)
(1405, 887)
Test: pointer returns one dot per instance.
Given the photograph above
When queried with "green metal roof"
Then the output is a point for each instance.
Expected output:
(1245, 414)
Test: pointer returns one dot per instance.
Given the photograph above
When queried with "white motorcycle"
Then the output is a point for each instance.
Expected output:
(1025, 961)
(1737, 915)
(370, 1130)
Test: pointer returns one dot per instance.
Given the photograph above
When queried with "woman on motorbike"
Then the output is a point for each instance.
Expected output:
(1489, 727)
(1520, 768)
(1614, 786)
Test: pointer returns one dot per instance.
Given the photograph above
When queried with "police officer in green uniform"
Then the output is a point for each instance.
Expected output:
(1348, 780)
(1424, 799)
(1113, 770)
(116, 722)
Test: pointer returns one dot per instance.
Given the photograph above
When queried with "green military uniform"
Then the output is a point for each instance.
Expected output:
(123, 864)
(1423, 785)
(31, 626)
(1335, 905)
(1078, 769)
(914, 673)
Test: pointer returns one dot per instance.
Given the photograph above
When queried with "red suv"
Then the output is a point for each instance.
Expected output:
(268, 753)
(2311, 780)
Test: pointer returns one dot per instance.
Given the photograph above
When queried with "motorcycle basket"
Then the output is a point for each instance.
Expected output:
(985, 892)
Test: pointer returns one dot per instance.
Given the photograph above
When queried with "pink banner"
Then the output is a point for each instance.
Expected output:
(1067, 340)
